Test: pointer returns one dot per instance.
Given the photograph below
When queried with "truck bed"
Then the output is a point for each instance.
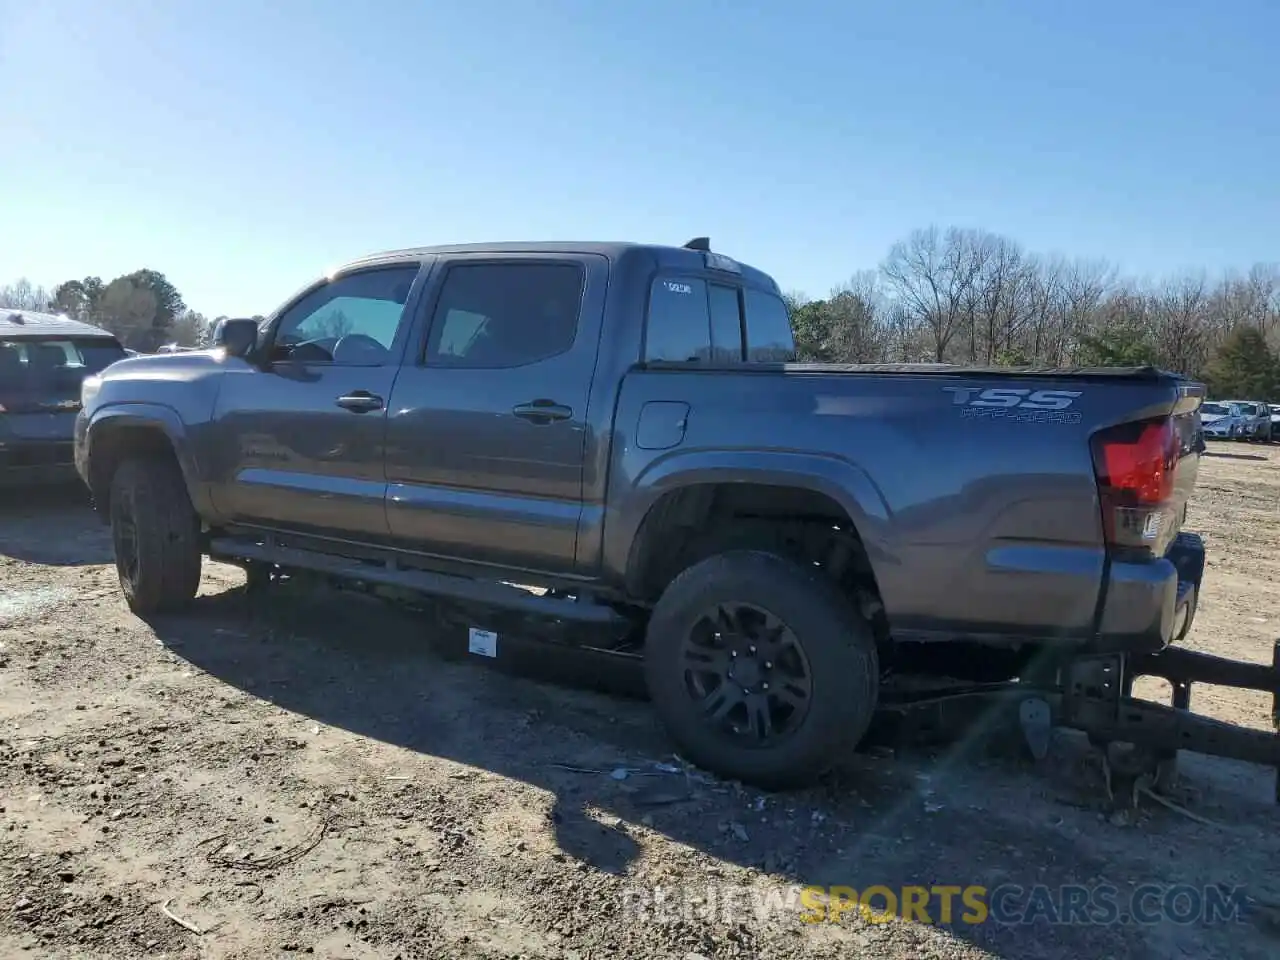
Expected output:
(974, 490)
(1143, 373)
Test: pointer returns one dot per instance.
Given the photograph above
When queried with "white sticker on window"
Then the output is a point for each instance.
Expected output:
(677, 287)
(483, 643)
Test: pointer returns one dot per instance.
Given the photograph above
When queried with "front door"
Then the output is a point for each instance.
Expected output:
(299, 441)
(486, 436)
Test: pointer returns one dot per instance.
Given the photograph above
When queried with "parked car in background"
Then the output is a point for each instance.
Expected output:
(1274, 410)
(1236, 420)
(1222, 419)
(43, 360)
(1258, 416)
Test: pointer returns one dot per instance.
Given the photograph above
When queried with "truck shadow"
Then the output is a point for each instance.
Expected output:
(930, 818)
(52, 525)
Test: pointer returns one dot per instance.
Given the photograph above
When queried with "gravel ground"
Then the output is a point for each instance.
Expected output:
(312, 774)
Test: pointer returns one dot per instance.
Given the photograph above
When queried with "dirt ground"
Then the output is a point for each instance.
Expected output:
(310, 775)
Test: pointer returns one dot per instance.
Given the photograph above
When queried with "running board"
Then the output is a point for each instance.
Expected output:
(489, 593)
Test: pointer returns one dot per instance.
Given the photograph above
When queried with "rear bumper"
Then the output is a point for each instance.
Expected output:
(1152, 604)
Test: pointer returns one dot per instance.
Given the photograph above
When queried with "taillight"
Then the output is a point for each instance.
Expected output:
(1135, 465)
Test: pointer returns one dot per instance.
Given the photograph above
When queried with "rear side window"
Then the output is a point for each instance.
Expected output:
(51, 370)
(726, 323)
(769, 338)
(499, 315)
(679, 327)
(692, 320)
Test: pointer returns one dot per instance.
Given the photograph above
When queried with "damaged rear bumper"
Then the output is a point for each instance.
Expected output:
(1091, 690)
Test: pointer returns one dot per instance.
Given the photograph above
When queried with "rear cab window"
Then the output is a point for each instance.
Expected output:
(40, 372)
(698, 320)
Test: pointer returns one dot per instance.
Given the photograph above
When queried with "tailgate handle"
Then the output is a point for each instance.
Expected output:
(542, 411)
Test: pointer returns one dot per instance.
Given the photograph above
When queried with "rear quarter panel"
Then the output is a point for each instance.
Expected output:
(981, 520)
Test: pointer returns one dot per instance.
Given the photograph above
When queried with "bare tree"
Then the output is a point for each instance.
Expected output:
(23, 295)
(1179, 316)
(856, 315)
(931, 274)
(1082, 287)
(1001, 298)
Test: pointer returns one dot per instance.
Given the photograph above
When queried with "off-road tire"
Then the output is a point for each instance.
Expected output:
(152, 495)
(837, 641)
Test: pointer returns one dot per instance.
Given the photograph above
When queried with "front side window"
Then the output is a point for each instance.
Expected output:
(501, 315)
(351, 320)
(44, 372)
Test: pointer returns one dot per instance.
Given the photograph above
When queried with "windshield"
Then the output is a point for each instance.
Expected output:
(43, 373)
(1215, 409)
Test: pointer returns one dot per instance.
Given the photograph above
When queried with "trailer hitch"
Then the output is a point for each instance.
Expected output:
(1093, 694)
(1096, 699)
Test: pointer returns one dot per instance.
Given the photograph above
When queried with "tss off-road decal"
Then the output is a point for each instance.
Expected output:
(1019, 405)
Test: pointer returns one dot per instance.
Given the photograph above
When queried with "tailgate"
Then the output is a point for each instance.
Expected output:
(1186, 419)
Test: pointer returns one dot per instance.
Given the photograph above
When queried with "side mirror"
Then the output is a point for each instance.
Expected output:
(237, 336)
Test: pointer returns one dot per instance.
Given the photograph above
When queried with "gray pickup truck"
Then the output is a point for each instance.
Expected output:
(613, 438)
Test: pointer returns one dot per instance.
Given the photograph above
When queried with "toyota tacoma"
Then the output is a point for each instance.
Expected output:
(612, 444)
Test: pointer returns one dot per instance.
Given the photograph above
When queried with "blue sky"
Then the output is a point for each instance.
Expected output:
(242, 147)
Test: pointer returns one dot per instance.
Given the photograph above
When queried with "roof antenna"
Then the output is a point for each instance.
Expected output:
(699, 243)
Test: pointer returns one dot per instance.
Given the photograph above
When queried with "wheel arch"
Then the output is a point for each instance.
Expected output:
(117, 432)
(688, 499)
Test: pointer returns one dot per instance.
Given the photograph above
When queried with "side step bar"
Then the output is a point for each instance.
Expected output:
(442, 585)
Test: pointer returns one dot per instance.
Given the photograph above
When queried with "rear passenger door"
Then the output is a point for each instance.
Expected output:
(487, 426)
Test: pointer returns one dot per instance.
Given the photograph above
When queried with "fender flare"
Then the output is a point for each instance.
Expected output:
(836, 478)
(159, 418)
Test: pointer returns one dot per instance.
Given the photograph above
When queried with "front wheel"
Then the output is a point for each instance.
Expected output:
(760, 669)
(156, 535)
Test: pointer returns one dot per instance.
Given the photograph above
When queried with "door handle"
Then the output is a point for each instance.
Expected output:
(542, 412)
(359, 401)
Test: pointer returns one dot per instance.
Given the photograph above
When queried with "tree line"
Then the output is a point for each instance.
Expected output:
(973, 297)
(143, 309)
(940, 295)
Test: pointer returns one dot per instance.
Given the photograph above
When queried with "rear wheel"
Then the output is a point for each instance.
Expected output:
(156, 535)
(760, 669)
